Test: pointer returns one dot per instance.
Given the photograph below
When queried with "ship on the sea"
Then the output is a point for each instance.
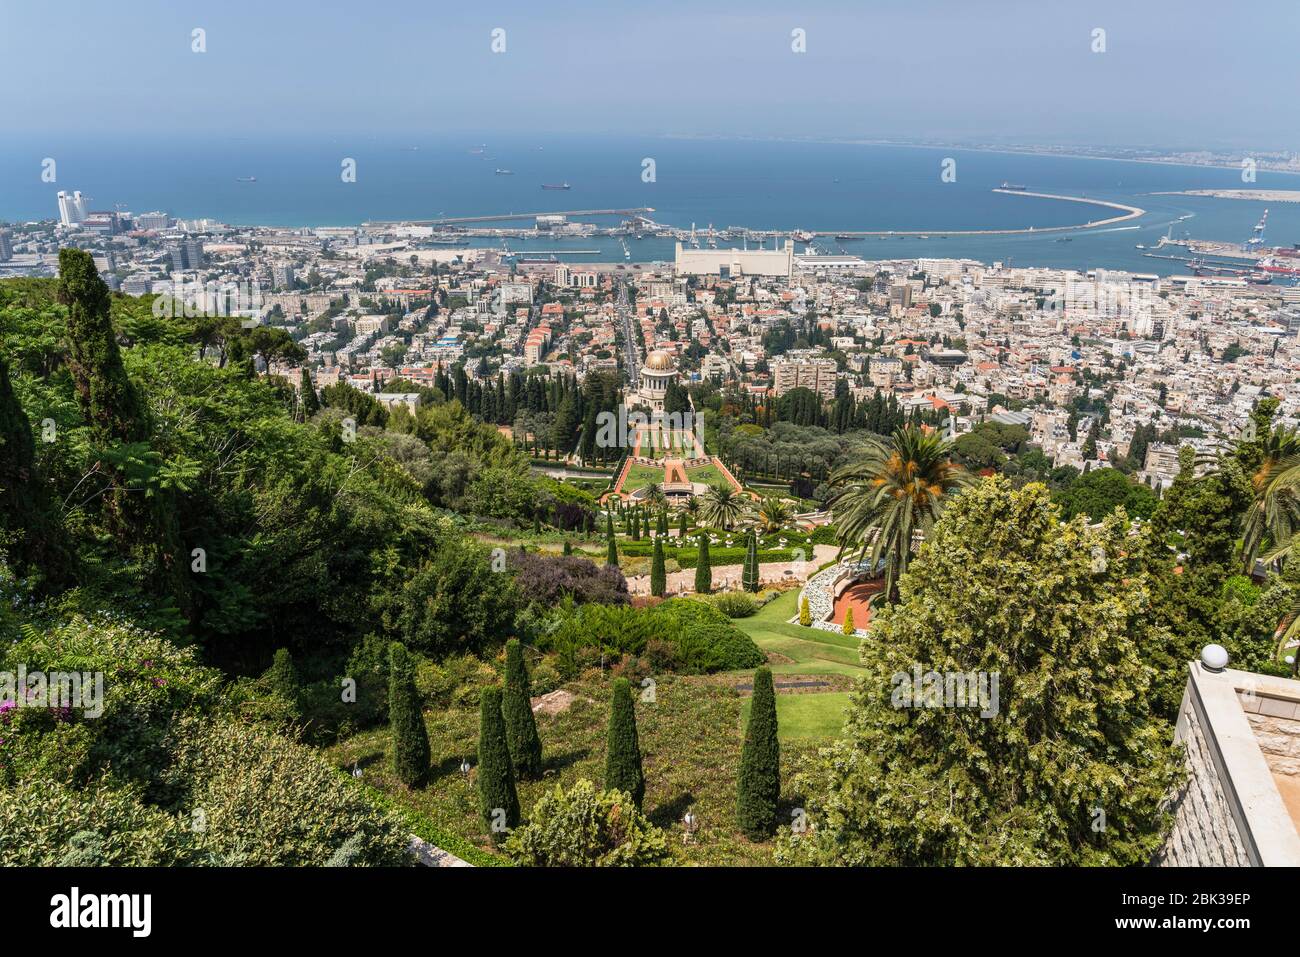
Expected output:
(505, 172)
(848, 239)
(1018, 187)
(556, 186)
(245, 179)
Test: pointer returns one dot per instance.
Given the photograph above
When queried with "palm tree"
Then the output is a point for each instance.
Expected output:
(889, 493)
(722, 507)
(1274, 512)
(692, 507)
(654, 496)
(770, 514)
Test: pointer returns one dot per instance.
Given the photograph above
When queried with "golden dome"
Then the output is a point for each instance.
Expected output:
(659, 361)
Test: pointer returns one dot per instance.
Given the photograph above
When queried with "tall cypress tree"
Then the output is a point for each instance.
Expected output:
(623, 754)
(310, 401)
(758, 786)
(749, 575)
(410, 739)
(498, 801)
(658, 574)
(107, 397)
(611, 546)
(703, 568)
(682, 527)
(25, 509)
(521, 726)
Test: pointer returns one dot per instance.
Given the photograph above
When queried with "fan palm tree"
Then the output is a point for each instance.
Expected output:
(890, 492)
(722, 507)
(770, 514)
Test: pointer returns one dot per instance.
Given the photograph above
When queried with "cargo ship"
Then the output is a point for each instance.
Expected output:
(556, 186)
(1013, 186)
(848, 239)
(505, 172)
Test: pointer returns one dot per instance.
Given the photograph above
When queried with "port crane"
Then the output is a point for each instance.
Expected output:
(1257, 234)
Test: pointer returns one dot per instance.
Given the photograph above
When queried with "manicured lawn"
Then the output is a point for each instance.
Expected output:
(639, 476)
(812, 650)
(808, 717)
(690, 743)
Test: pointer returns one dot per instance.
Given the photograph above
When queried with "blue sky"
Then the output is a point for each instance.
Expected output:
(1186, 74)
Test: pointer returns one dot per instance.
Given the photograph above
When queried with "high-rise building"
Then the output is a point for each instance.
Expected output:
(6, 246)
(186, 255)
(72, 208)
(282, 276)
(817, 375)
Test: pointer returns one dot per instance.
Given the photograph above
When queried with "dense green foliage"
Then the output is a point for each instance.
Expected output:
(658, 576)
(703, 568)
(1002, 588)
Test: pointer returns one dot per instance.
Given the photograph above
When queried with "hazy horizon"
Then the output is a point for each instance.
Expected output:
(1011, 73)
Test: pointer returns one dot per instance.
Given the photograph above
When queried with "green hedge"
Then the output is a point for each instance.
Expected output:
(689, 557)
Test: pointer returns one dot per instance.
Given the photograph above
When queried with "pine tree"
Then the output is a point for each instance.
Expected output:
(805, 614)
(703, 568)
(749, 576)
(848, 622)
(310, 401)
(658, 575)
(498, 801)
(758, 785)
(521, 726)
(623, 755)
(25, 509)
(410, 739)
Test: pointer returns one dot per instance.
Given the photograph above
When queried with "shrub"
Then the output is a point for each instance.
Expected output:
(584, 827)
(545, 677)
(282, 678)
(823, 535)
(805, 615)
(270, 802)
(735, 604)
(44, 823)
(457, 681)
(623, 752)
(848, 622)
(705, 640)
(410, 739)
(548, 579)
(497, 799)
(758, 786)
(517, 709)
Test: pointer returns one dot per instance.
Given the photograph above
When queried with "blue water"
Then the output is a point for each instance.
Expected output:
(759, 184)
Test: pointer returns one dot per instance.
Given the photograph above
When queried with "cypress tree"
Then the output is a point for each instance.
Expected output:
(310, 401)
(623, 755)
(662, 526)
(611, 547)
(498, 801)
(681, 527)
(636, 526)
(107, 397)
(758, 786)
(25, 509)
(658, 575)
(410, 739)
(805, 614)
(568, 548)
(749, 576)
(848, 622)
(645, 525)
(703, 568)
(516, 706)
